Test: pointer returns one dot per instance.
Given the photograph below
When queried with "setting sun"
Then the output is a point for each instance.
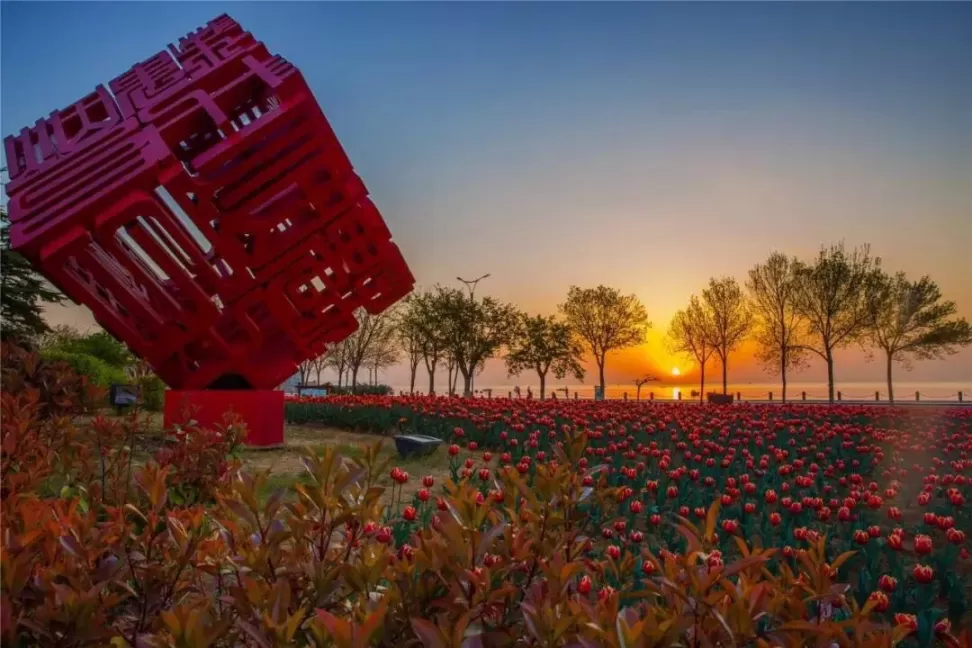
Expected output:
(675, 371)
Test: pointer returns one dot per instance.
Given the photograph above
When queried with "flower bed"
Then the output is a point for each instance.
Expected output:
(580, 524)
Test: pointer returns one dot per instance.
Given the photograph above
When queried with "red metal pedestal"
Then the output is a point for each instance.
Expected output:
(261, 409)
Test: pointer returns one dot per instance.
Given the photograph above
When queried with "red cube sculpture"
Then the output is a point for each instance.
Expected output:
(203, 209)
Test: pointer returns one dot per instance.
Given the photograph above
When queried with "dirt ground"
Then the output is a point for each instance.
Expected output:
(284, 463)
(285, 467)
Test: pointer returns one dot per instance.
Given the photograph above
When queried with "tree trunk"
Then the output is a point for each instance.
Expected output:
(600, 367)
(830, 375)
(890, 384)
(455, 380)
(432, 381)
(783, 372)
(638, 393)
(411, 378)
(354, 379)
(449, 383)
(702, 385)
(725, 372)
(466, 383)
(543, 383)
(340, 377)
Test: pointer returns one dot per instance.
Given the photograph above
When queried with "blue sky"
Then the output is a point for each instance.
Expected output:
(646, 146)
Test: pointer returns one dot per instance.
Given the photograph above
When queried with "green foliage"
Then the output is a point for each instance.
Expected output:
(473, 331)
(605, 320)
(152, 392)
(95, 369)
(23, 292)
(544, 344)
(908, 320)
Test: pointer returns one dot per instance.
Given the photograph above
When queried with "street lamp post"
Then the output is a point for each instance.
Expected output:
(471, 285)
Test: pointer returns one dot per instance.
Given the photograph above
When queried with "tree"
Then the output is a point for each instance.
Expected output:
(336, 357)
(641, 382)
(729, 319)
(23, 292)
(304, 370)
(384, 351)
(426, 314)
(544, 344)
(320, 365)
(909, 321)
(604, 320)
(772, 288)
(474, 330)
(362, 343)
(832, 299)
(408, 327)
(688, 334)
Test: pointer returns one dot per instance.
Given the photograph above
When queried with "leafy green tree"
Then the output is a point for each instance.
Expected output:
(909, 321)
(23, 293)
(688, 334)
(424, 313)
(544, 344)
(832, 299)
(408, 328)
(729, 319)
(604, 320)
(473, 331)
(772, 289)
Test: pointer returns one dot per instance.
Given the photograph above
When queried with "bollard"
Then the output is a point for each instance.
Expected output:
(625, 397)
(804, 395)
(575, 395)
(738, 396)
(960, 397)
(679, 395)
(840, 396)
(651, 396)
(877, 396)
(771, 395)
(509, 394)
(917, 397)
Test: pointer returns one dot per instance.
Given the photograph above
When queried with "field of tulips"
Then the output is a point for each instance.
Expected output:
(889, 485)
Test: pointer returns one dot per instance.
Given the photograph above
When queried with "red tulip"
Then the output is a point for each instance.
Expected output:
(923, 574)
(775, 519)
(584, 585)
(923, 545)
(887, 583)
(423, 495)
(909, 621)
(880, 600)
(384, 535)
(614, 552)
(428, 481)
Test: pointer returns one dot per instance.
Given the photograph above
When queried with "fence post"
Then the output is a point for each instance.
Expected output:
(840, 396)
(917, 397)
(804, 395)
(771, 395)
(651, 395)
(877, 396)
(960, 397)
(679, 395)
